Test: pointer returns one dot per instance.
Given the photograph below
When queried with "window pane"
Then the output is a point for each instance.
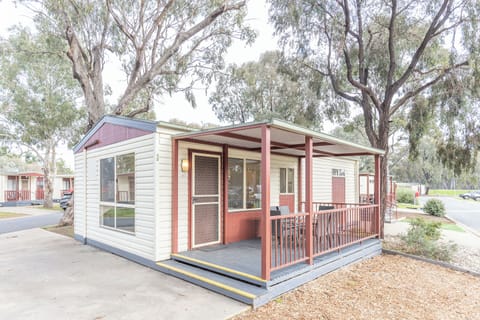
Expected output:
(126, 178)
(290, 180)
(283, 180)
(107, 216)
(126, 219)
(254, 193)
(107, 180)
(235, 183)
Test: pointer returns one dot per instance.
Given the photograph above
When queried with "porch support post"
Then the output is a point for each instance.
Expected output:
(225, 192)
(376, 194)
(299, 184)
(265, 220)
(308, 197)
(175, 165)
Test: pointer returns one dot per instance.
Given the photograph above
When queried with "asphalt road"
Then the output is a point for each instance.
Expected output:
(466, 212)
(35, 221)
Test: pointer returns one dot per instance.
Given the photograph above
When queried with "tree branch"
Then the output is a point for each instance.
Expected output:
(413, 93)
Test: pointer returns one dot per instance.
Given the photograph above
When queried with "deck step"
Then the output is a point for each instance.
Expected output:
(238, 290)
(235, 274)
(227, 283)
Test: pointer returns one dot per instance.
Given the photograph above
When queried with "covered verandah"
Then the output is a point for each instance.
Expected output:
(287, 242)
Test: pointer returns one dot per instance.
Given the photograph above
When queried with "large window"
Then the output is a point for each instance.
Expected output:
(244, 185)
(117, 192)
(287, 180)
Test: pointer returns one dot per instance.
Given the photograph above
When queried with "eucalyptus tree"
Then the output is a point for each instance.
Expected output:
(272, 87)
(382, 56)
(38, 99)
(161, 46)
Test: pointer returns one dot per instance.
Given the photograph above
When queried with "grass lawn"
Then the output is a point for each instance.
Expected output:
(445, 226)
(4, 215)
(446, 193)
(408, 206)
(64, 231)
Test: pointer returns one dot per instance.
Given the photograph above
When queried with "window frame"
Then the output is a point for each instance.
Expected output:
(244, 185)
(115, 204)
(287, 180)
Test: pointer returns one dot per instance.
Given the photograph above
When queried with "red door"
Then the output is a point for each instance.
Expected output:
(338, 189)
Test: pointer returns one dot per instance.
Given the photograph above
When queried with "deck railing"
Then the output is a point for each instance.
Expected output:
(334, 226)
(288, 240)
(14, 195)
(337, 228)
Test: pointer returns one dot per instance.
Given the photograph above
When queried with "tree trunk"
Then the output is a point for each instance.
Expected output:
(68, 215)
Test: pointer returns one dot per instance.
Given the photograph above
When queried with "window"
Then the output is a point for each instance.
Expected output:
(117, 192)
(287, 180)
(338, 172)
(244, 185)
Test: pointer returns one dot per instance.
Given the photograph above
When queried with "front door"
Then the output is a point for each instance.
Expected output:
(205, 200)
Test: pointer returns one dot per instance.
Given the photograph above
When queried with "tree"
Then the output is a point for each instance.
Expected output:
(162, 46)
(382, 56)
(37, 96)
(272, 87)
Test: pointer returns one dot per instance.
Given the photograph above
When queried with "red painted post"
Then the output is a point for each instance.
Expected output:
(265, 220)
(225, 192)
(377, 194)
(175, 165)
(299, 184)
(309, 197)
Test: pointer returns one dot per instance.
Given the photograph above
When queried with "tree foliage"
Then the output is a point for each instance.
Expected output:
(381, 56)
(272, 87)
(162, 46)
(38, 97)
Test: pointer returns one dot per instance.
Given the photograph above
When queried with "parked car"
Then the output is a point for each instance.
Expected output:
(470, 195)
(64, 201)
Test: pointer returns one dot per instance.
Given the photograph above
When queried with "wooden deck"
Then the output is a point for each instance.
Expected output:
(235, 269)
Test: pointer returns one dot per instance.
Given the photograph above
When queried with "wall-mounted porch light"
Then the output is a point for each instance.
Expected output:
(184, 165)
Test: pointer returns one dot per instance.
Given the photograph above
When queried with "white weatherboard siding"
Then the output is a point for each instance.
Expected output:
(142, 243)
(163, 189)
(322, 178)
(79, 196)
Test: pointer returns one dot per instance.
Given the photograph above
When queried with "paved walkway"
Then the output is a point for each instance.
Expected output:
(49, 276)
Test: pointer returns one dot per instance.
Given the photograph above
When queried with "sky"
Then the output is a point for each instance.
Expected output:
(176, 106)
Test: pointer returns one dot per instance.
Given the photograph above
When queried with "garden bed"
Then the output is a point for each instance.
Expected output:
(384, 287)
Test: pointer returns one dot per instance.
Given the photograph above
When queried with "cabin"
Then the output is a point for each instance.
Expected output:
(250, 211)
(27, 188)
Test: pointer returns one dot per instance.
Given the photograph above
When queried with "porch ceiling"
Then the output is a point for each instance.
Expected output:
(286, 138)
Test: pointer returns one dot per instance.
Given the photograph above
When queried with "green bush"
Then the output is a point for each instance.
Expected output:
(421, 239)
(405, 195)
(434, 207)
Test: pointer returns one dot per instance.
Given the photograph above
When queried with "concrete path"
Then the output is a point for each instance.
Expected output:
(49, 276)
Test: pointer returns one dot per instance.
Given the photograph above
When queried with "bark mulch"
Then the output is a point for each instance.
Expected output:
(384, 287)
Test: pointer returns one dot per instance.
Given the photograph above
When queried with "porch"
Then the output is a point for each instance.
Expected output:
(232, 179)
(235, 269)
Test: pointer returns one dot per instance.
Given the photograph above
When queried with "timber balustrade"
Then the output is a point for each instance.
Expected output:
(14, 195)
(334, 226)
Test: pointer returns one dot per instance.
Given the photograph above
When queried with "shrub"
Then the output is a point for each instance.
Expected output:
(434, 207)
(421, 239)
(405, 195)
